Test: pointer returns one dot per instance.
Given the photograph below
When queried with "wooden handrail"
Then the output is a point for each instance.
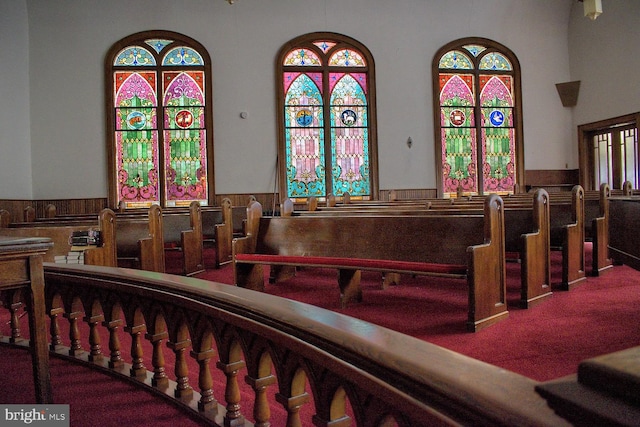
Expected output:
(385, 375)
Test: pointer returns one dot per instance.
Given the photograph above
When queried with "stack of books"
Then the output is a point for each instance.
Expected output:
(73, 257)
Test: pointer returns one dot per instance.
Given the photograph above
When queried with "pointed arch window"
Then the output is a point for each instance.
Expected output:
(477, 106)
(326, 114)
(159, 121)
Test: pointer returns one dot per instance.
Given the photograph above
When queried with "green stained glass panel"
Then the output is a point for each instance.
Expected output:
(304, 138)
(498, 159)
(184, 138)
(459, 160)
(349, 138)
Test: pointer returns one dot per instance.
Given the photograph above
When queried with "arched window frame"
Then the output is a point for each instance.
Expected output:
(204, 188)
(490, 47)
(341, 42)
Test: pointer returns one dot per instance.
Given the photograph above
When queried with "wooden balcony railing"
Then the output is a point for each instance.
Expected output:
(176, 335)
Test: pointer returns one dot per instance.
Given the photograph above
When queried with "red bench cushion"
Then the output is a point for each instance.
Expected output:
(363, 263)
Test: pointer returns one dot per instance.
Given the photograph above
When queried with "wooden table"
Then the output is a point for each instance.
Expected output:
(21, 267)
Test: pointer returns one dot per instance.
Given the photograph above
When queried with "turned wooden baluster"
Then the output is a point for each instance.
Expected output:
(75, 347)
(232, 392)
(207, 401)
(160, 378)
(137, 362)
(183, 389)
(95, 351)
(261, 409)
(292, 405)
(15, 322)
(54, 328)
(115, 360)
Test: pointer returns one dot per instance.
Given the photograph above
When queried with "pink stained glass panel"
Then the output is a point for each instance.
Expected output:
(185, 153)
(136, 138)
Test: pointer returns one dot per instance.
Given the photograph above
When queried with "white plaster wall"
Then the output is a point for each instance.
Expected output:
(15, 147)
(68, 40)
(605, 57)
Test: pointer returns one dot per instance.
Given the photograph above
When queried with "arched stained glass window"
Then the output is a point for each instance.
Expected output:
(326, 109)
(159, 122)
(477, 106)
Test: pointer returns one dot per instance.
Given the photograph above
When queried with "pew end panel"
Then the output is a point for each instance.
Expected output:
(573, 264)
(50, 211)
(107, 254)
(5, 218)
(224, 234)
(182, 231)
(487, 271)
(29, 214)
(536, 255)
(250, 275)
(140, 241)
(192, 242)
(601, 260)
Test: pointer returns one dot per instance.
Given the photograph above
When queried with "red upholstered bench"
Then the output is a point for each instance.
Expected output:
(357, 263)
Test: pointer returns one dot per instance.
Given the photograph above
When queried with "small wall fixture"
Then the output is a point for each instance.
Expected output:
(409, 142)
(568, 93)
(592, 8)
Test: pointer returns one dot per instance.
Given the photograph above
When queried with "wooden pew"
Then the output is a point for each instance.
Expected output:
(29, 214)
(139, 236)
(184, 233)
(469, 247)
(5, 218)
(598, 218)
(140, 241)
(60, 236)
(526, 234)
(566, 222)
(218, 224)
(215, 224)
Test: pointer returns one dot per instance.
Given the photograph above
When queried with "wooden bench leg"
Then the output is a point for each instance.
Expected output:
(349, 281)
(249, 276)
(390, 279)
(278, 273)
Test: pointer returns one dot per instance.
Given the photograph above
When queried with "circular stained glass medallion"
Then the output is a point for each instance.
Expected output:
(304, 118)
(184, 119)
(457, 117)
(136, 120)
(348, 117)
(496, 118)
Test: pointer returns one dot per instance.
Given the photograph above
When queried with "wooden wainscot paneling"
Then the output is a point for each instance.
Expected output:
(552, 180)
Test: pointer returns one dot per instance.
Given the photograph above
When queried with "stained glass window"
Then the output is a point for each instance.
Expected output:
(477, 85)
(160, 127)
(327, 142)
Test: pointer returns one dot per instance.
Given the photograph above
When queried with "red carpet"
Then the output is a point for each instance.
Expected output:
(544, 342)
